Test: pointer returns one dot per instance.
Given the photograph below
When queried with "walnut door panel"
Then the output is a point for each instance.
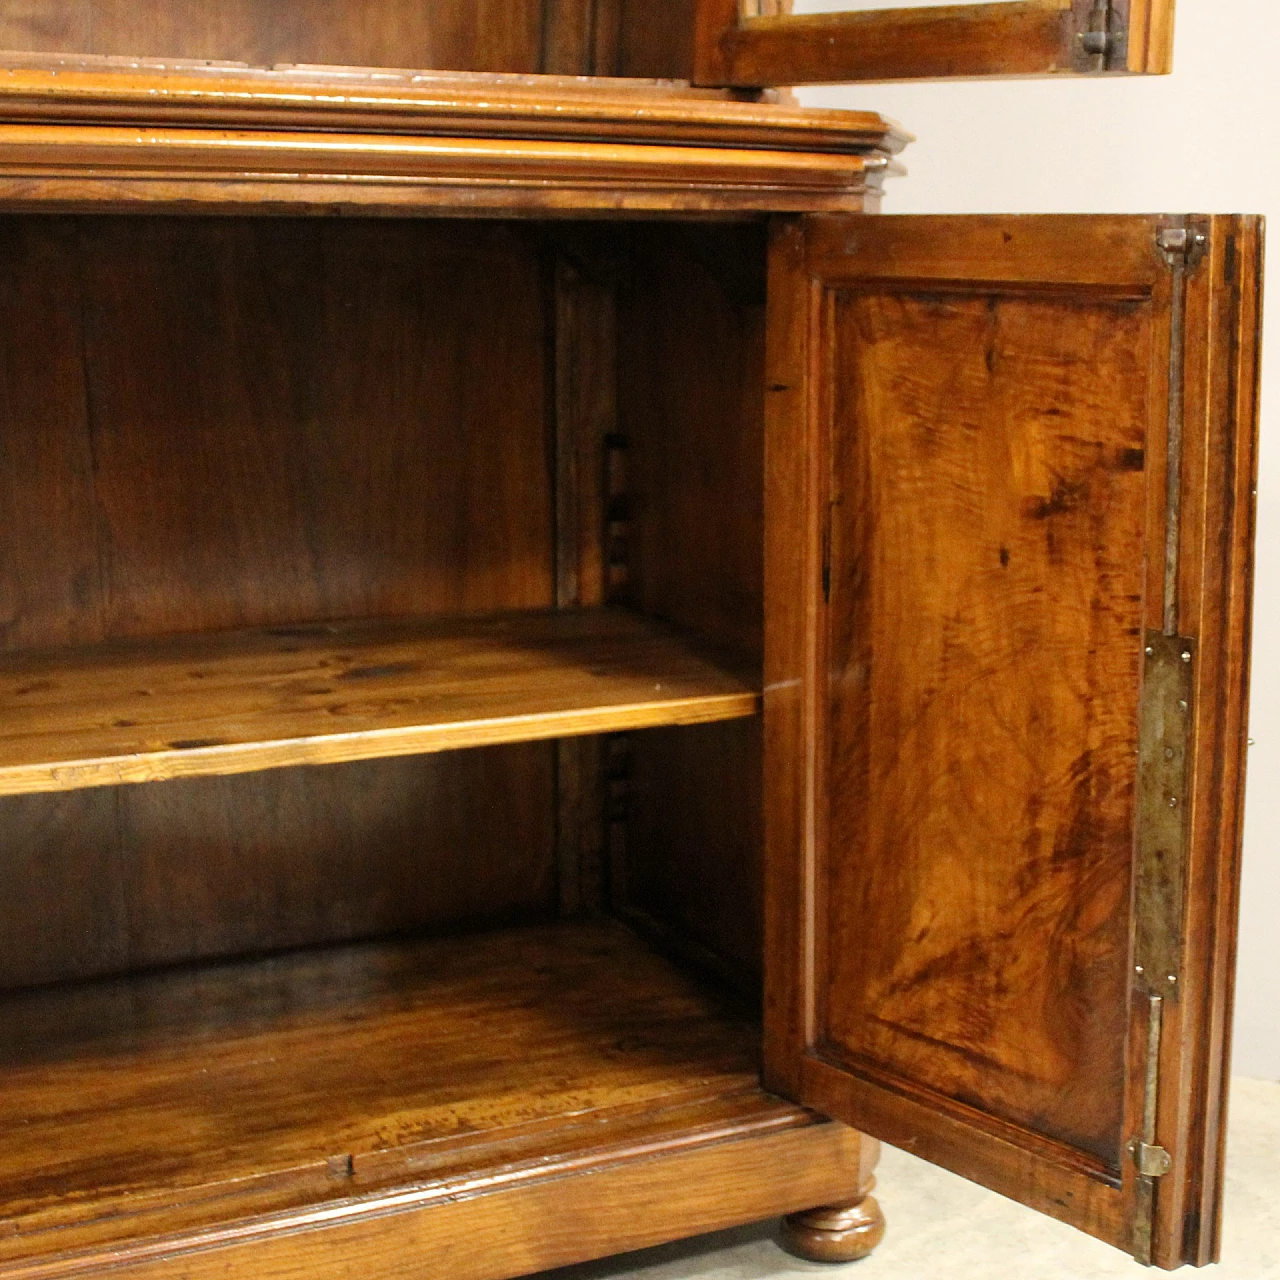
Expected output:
(1002, 453)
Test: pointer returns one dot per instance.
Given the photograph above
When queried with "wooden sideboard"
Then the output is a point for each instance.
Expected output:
(558, 679)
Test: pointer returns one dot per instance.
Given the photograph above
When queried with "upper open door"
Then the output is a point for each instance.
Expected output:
(761, 42)
(1009, 488)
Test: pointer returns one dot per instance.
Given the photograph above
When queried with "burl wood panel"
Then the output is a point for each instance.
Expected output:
(691, 372)
(215, 424)
(462, 35)
(985, 373)
(988, 497)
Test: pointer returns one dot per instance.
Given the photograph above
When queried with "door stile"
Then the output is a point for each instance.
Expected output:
(791, 712)
(1214, 587)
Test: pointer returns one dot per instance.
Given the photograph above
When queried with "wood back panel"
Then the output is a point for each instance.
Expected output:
(114, 880)
(209, 424)
(240, 423)
(462, 35)
(656, 39)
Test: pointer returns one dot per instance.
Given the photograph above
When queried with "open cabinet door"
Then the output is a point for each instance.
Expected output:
(761, 42)
(1009, 511)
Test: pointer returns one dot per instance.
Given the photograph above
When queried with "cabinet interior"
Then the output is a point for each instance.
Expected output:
(566, 37)
(393, 591)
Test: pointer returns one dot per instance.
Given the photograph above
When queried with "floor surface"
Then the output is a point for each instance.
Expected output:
(942, 1226)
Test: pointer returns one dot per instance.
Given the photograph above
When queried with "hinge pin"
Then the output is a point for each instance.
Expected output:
(1096, 40)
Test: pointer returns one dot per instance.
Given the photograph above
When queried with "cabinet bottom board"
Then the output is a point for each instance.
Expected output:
(311, 1097)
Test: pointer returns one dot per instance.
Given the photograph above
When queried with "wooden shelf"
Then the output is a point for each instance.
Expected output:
(247, 701)
(350, 1080)
(94, 133)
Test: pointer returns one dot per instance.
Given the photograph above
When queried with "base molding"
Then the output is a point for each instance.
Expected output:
(603, 1209)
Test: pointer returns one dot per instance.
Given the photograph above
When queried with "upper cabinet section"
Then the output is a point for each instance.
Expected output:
(761, 42)
(471, 35)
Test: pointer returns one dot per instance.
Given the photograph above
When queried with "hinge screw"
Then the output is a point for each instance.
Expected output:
(1173, 802)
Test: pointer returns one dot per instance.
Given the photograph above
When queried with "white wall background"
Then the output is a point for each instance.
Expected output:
(1204, 140)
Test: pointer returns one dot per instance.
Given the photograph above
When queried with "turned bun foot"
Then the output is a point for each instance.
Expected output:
(835, 1233)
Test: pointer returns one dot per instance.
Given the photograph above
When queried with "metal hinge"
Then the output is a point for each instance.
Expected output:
(1102, 36)
(1152, 1161)
(1164, 774)
(1182, 246)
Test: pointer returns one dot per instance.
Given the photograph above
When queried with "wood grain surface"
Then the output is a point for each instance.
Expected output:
(985, 630)
(934, 42)
(82, 133)
(696, 1172)
(210, 426)
(477, 35)
(692, 408)
(960, 636)
(164, 1104)
(249, 701)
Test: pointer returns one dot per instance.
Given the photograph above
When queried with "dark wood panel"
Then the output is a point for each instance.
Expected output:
(282, 422)
(989, 503)
(656, 39)
(63, 889)
(305, 390)
(103, 881)
(694, 843)
(691, 411)
(350, 393)
(463, 35)
(51, 564)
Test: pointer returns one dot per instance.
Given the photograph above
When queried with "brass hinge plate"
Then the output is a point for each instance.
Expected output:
(1163, 775)
(1152, 1161)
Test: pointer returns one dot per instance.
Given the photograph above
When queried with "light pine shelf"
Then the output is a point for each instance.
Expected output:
(322, 694)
